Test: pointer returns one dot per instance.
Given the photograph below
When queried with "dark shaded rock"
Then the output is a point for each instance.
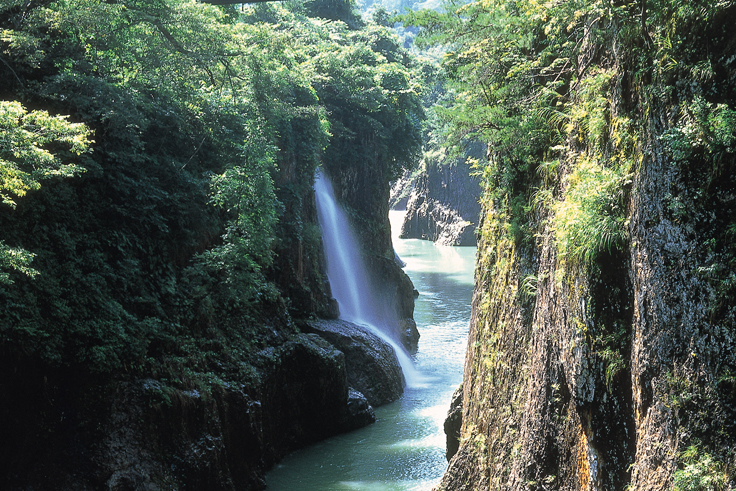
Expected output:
(372, 367)
(309, 400)
(298, 259)
(454, 422)
(399, 262)
(333, 309)
(361, 413)
(136, 434)
(410, 333)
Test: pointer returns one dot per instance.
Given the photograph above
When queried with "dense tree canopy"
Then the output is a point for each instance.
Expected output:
(24, 163)
(205, 127)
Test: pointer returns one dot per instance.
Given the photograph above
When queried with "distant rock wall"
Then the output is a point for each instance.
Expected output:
(443, 204)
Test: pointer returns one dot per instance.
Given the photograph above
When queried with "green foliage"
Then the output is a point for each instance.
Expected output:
(17, 259)
(530, 286)
(612, 353)
(691, 58)
(508, 69)
(382, 17)
(374, 101)
(192, 210)
(591, 219)
(685, 40)
(704, 130)
(700, 472)
(246, 193)
(524, 84)
(27, 140)
(342, 10)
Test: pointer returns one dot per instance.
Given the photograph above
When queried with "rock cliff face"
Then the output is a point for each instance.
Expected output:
(615, 373)
(443, 204)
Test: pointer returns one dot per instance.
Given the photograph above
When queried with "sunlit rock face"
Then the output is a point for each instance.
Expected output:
(608, 374)
(443, 207)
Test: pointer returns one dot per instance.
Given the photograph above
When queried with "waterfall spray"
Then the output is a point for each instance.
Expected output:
(351, 285)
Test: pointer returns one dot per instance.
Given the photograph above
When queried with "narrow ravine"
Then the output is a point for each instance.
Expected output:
(405, 448)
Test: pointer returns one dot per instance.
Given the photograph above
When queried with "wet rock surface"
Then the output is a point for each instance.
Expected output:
(371, 364)
(454, 423)
(393, 288)
(360, 411)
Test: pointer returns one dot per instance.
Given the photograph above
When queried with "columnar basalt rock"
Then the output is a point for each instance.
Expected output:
(442, 202)
(146, 434)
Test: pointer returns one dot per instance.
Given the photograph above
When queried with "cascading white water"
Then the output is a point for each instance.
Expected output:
(349, 281)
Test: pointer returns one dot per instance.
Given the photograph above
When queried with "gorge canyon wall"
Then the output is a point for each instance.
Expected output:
(614, 371)
(441, 200)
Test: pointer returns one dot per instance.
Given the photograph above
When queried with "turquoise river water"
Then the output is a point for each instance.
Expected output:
(405, 449)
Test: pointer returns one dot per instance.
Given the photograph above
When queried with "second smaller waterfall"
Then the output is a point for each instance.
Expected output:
(350, 283)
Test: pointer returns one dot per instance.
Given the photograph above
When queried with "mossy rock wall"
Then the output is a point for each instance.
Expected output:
(610, 366)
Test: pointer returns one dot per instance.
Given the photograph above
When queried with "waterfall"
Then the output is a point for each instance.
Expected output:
(351, 285)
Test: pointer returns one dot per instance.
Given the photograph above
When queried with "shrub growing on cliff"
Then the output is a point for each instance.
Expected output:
(700, 472)
(246, 192)
(208, 130)
(591, 218)
(25, 160)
